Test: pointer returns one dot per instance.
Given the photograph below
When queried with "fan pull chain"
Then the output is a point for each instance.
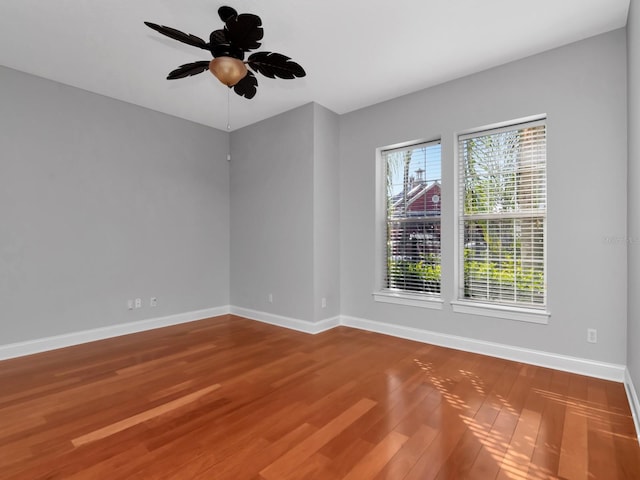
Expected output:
(228, 109)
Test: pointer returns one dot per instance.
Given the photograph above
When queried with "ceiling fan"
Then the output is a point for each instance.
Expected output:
(241, 33)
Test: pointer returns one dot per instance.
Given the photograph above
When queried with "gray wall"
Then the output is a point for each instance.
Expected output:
(103, 201)
(271, 215)
(633, 55)
(100, 202)
(582, 89)
(285, 215)
(326, 213)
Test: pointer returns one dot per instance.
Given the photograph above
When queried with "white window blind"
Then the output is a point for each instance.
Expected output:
(503, 205)
(413, 205)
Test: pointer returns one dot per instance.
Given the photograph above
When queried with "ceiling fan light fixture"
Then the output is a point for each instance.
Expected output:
(241, 34)
(228, 70)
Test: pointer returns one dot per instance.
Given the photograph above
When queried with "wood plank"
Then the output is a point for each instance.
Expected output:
(574, 452)
(377, 458)
(401, 463)
(301, 452)
(517, 459)
(233, 399)
(625, 438)
(599, 433)
(546, 456)
(142, 417)
(513, 390)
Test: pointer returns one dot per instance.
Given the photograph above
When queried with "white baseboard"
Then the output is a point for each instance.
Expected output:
(607, 371)
(287, 322)
(581, 366)
(634, 404)
(20, 349)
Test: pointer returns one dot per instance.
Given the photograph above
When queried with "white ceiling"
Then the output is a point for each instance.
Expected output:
(355, 53)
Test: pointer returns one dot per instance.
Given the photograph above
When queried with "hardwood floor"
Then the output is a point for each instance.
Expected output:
(229, 398)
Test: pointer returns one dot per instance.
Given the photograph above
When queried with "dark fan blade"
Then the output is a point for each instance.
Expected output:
(218, 37)
(274, 65)
(226, 13)
(227, 50)
(188, 69)
(247, 87)
(178, 35)
(244, 31)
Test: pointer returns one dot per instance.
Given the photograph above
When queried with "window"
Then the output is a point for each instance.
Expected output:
(502, 216)
(412, 221)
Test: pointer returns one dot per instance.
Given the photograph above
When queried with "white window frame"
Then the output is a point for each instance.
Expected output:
(531, 314)
(380, 293)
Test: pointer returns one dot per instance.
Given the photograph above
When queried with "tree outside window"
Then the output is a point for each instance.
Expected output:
(503, 215)
(413, 206)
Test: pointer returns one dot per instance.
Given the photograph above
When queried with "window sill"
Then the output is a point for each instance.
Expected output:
(531, 315)
(408, 299)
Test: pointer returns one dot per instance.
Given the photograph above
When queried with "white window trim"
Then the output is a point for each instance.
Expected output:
(531, 315)
(470, 307)
(381, 294)
(401, 298)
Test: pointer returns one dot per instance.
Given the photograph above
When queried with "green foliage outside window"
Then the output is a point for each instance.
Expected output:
(506, 281)
(418, 276)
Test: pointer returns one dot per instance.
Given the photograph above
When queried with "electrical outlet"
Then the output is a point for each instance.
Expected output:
(270, 298)
(130, 304)
(138, 303)
(592, 335)
(323, 302)
(153, 302)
